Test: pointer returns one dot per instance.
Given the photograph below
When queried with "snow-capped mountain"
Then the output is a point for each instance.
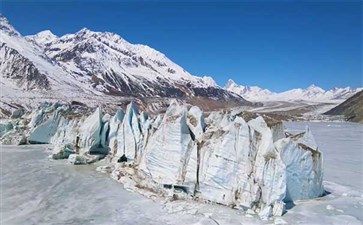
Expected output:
(311, 93)
(114, 66)
(253, 93)
(97, 63)
(103, 64)
(25, 67)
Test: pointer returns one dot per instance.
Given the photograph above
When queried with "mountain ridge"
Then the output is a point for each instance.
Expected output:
(311, 93)
(95, 63)
(88, 65)
(352, 108)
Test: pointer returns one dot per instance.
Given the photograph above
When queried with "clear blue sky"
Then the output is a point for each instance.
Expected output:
(277, 45)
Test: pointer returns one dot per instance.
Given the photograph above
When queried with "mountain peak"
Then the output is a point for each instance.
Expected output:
(3, 18)
(315, 88)
(209, 81)
(43, 37)
(312, 86)
(46, 33)
(84, 32)
(230, 83)
(249, 92)
(6, 27)
(311, 93)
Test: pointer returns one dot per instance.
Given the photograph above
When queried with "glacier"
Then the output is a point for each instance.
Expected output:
(216, 157)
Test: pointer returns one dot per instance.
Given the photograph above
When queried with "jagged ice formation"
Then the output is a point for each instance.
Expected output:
(220, 158)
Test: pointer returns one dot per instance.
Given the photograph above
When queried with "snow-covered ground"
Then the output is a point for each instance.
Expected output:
(36, 190)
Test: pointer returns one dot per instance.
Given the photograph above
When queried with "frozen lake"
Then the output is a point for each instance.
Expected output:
(36, 190)
(342, 145)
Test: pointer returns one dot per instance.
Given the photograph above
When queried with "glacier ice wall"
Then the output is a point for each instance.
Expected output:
(219, 158)
(168, 149)
(115, 124)
(304, 166)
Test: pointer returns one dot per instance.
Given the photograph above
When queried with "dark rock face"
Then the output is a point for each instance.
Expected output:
(21, 70)
(212, 92)
(122, 85)
(352, 108)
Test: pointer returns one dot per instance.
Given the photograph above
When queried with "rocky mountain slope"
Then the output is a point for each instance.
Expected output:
(311, 93)
(352, 108)
(77, 66)
(102, 68)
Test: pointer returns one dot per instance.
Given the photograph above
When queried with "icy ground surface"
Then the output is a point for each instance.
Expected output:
(342, 145)
(36, 190)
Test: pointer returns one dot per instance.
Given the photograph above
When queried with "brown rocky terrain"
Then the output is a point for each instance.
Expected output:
(352, 108)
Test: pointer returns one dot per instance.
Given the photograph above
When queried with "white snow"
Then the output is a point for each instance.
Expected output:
(45, 37)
